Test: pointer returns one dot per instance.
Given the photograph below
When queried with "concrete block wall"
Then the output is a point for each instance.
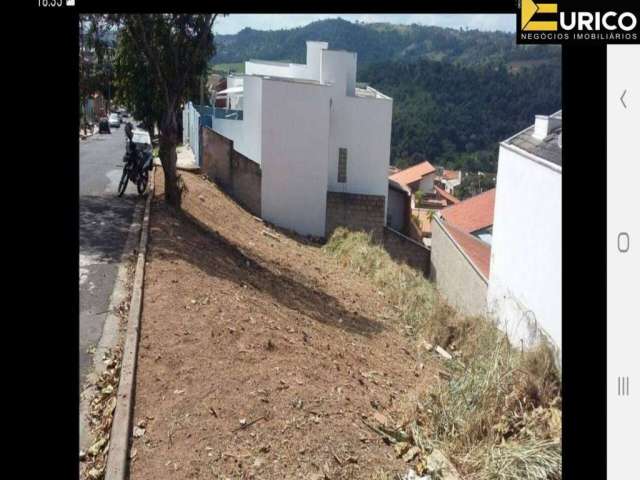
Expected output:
(454, 276)
(216, 157)
(355, 212)
(235, 173)
(406, 250)
(246, 182)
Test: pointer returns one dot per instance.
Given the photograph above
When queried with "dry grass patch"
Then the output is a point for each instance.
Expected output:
(498, 414)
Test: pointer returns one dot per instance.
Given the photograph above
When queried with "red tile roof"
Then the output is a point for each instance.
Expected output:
(450, 174)
(446, 195)
(478, 251)
(413, 174)
(472, 214)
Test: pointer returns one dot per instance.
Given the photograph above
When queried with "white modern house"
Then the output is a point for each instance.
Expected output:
(525, 284)
(318, 138)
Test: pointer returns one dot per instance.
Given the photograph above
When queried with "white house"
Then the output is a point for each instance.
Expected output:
(314, 134)
(524, 291)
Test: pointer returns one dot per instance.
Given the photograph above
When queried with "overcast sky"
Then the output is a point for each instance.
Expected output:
(233, 23)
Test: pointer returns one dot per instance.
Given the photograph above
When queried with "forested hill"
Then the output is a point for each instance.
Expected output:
(380, 42)
(455, 115)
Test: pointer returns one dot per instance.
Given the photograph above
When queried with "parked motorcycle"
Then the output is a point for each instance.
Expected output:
(138, 160)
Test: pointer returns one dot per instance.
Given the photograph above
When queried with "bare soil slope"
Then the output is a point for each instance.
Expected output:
(259, 356)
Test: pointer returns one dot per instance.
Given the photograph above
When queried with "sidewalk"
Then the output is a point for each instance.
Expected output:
(185, 161)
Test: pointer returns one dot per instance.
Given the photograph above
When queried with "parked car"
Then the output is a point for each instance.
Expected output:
(103, 125)
(114, 120)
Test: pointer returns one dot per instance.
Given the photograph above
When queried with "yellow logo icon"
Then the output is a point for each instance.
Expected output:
(529, 8)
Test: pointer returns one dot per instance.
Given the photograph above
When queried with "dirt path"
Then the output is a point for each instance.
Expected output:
(259, 356)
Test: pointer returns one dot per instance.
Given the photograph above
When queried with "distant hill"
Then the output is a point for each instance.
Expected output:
(376, 42)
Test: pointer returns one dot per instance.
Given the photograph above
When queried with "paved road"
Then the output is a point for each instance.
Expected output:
(104, 225)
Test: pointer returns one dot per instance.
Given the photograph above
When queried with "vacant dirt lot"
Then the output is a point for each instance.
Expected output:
(259, 356)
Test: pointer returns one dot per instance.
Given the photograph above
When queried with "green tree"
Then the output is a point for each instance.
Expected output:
(137, 91)
(473, 184)
(173, 50)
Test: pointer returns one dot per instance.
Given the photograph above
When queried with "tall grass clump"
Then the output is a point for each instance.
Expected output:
(498, 416)
(406, 289)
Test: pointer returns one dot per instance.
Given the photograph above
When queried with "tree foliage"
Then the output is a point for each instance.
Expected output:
(137, 91)
(375, 42)
(455, 115)
(473, 184)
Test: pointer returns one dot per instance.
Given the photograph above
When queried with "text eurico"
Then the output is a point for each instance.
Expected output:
(544, 21)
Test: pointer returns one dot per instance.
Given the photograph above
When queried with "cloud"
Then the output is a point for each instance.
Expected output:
(233, 23)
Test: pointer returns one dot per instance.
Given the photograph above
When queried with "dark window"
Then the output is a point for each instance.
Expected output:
(342, 165)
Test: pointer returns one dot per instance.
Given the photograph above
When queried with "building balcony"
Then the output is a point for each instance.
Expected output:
(227, 114)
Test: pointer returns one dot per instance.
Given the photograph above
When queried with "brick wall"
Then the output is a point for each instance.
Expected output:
(453, 274)
(355, 212)
(236, 174)
(406, 250)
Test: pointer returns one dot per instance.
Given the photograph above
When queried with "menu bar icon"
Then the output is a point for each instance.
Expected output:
(623, 386)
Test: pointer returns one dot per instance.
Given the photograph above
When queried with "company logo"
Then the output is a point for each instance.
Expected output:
(529, 9)
(547, 22)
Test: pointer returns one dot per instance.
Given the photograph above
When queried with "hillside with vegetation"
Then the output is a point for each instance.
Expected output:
(455, 115)
(456, 93)
(375, 42)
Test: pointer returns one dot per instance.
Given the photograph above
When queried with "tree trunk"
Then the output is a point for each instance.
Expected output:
(168, 158)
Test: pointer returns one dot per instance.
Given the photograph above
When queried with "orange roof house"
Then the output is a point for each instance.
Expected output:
(411, 176)
(478, 252)
(450, 199)
(450, 174)
(472, 214)
(464, 222)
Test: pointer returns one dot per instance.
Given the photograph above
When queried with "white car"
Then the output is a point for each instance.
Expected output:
(114, 120)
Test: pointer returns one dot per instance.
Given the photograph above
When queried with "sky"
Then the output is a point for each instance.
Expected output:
(233, 23)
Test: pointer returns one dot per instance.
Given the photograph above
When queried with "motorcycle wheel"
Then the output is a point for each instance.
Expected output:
(123, 181)
(143, 180)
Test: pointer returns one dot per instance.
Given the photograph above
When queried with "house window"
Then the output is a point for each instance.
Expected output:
(342, 165)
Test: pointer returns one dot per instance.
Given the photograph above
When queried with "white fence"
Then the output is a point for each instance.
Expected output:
(191, 129)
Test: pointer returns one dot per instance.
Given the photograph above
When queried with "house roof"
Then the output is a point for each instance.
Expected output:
(547, 148)
(450, 174)
(478, 251)
(472, 214)
(446, 195)
(413, 174)
(399, 186)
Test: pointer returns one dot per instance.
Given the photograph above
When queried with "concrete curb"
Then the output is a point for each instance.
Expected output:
(111, 328)
(117, 461)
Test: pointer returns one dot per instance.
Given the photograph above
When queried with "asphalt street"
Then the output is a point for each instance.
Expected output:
(104, 225)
